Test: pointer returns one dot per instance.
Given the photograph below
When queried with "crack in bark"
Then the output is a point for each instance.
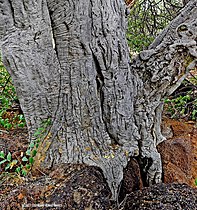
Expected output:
(12, 9)
(100, 84)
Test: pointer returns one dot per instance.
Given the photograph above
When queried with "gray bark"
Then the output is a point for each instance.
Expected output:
(69, 61)
(159, 71)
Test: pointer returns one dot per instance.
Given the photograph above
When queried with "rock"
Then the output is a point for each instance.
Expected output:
(132, 180)
(84, 187)
(69, 186)
(179, 153)
(167, 131)
(162, 197)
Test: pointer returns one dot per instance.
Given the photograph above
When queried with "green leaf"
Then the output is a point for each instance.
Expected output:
(34, 152)
(21, 125)
(24, 159)
(31, 160)
(38, 140)
(8, 126)
(40, 129)
(37, 133)
(9, 156)
(3, 161)
(24, 172)
(28, 166)
(7, 167)
(167, 100)
(28, 152)
(21, 117)
(2, 154)
(31, 145)
(18, 169)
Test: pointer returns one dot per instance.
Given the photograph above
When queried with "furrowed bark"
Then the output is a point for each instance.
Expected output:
(84, 84)
(103, 110)
(97, 101)
(30, 59)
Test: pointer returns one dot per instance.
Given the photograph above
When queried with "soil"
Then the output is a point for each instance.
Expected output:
(83, 187)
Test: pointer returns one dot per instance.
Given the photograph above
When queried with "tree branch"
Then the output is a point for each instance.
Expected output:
(158, 72)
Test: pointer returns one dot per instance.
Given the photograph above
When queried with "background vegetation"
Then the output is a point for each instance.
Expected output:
(10, 113)
(146, 20)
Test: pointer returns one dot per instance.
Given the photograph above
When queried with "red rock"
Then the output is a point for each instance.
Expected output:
(179, 153)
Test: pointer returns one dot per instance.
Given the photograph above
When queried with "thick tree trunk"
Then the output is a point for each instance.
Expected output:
(69, 61)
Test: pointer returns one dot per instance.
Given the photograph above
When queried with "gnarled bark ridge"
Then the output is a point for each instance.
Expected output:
(69, 61)
(158, 72)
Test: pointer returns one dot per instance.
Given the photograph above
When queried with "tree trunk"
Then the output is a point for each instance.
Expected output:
(159, 71)
(69, 61)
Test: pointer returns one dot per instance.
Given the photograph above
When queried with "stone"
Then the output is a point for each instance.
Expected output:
(68, 186)
(132, 179)
(179, 153)
(84, 187)
(162, 197)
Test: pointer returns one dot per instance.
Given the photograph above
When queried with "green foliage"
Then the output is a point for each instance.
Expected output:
(8, 118)
(147, 19)
(10, 163)
(183, 106)
(22, 165)
(136, 39)
(196, 181)
(19, 166)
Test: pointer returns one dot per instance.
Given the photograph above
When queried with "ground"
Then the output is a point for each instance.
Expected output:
(82, 187)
